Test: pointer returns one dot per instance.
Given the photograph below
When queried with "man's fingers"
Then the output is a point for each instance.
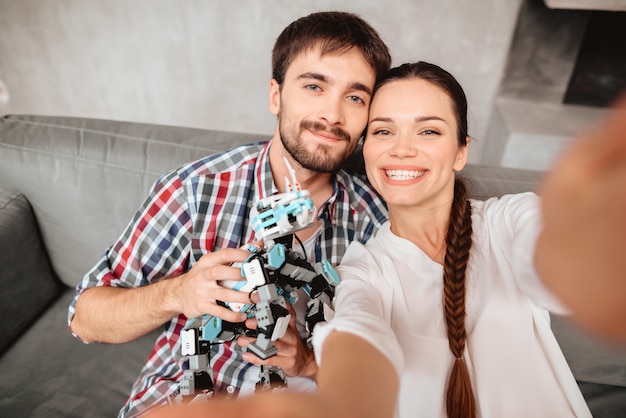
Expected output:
(245, 341)
(229, 295)
(252, 358)
(222, 272)
(227, 255)
(282, 362)
(251, 323)
(226, 314)
(292, 312)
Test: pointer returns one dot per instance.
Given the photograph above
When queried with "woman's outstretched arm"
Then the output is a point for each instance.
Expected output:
(581, 253)
(354, 380)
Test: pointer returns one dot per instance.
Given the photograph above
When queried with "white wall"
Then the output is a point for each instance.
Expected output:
(206, 63)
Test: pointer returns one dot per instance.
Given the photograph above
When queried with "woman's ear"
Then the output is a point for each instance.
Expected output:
(461, 157)
(274, 97)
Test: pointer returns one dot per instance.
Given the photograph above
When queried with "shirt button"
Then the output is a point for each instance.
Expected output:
(230, 389)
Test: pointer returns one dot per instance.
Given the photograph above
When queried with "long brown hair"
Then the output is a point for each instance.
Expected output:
(459, 397)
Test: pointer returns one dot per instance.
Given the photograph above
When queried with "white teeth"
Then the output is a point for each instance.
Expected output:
(403, 174)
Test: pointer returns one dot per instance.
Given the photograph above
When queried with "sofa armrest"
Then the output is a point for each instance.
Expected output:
(27, 281)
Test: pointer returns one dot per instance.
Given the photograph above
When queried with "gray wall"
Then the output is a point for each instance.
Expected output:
(206, 63)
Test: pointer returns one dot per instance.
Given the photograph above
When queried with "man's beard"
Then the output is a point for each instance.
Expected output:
(322, 159)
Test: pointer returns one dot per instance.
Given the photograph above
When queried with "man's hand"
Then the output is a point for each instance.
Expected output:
(198, 290)
(134, 312)
(294, 357)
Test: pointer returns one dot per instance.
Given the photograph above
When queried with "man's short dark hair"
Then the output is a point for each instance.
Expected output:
(331, 32)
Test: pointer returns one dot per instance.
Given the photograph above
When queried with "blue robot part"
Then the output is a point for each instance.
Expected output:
(282, 214)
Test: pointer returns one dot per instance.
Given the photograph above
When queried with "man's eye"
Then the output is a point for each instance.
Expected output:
(357, 99)
(313, 87)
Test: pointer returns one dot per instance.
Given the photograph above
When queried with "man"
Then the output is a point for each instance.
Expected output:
(167, 265)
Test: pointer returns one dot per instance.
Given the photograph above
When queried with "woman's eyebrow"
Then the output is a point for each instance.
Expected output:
(417, 119)
(381, 119)
(429, 118)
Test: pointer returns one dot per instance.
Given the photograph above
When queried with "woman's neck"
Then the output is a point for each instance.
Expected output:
(425, 227)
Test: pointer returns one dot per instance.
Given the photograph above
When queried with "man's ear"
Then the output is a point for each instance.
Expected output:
(274, 97)
(461, 157)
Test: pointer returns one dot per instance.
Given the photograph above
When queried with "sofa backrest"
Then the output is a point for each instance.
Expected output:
(85, 178)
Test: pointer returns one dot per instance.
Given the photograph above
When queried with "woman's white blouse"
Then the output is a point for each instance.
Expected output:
(391, 295)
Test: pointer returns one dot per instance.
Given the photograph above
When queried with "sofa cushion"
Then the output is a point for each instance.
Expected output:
(50, 374)
(26, 278)
(591, 359)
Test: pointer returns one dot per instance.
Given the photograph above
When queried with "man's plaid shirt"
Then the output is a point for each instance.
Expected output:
(201, 207)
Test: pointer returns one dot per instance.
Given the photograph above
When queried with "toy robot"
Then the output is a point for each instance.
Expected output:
(275, 272)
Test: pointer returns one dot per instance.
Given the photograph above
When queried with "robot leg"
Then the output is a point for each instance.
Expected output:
(272, 321)
(271, 378)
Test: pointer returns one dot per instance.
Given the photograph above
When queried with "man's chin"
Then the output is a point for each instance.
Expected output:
(323, 162)
(319, 157)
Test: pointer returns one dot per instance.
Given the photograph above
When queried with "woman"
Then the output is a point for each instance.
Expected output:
(443, 313)
(454, 276)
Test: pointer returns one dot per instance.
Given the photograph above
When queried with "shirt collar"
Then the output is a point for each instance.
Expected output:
(264, 181)
(265, 186)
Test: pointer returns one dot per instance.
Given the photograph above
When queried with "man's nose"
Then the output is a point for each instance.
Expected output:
(332, 111)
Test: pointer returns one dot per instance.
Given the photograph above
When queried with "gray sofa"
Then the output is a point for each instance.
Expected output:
(68, 187)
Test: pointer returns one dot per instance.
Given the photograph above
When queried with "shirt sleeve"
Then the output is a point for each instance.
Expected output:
(360, 308)
(155, 244)
(519, 219)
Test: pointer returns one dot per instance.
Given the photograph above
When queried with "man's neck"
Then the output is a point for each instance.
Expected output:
(318, 184)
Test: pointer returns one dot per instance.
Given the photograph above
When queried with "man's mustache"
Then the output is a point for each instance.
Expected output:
(320, 127)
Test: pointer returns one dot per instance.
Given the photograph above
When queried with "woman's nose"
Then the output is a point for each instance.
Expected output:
(404, 146)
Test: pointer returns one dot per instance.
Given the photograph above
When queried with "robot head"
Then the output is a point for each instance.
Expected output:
(285, 213)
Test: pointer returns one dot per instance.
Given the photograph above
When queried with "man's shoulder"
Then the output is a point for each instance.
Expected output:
(243, 157)
(356, 185)
(362, 197)
(350, 178)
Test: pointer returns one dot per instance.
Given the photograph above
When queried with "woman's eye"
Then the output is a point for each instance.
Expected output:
(381, 132)
(429, 132)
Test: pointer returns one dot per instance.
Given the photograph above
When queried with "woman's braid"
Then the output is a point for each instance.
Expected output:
(459, 397)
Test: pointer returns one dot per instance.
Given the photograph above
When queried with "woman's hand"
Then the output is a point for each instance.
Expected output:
(581, 253)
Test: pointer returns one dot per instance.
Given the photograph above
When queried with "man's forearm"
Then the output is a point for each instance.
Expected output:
(118, 315)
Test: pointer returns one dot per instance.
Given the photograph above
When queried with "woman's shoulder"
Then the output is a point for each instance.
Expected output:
(506, 201)
(365, 255)
(509, 207)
